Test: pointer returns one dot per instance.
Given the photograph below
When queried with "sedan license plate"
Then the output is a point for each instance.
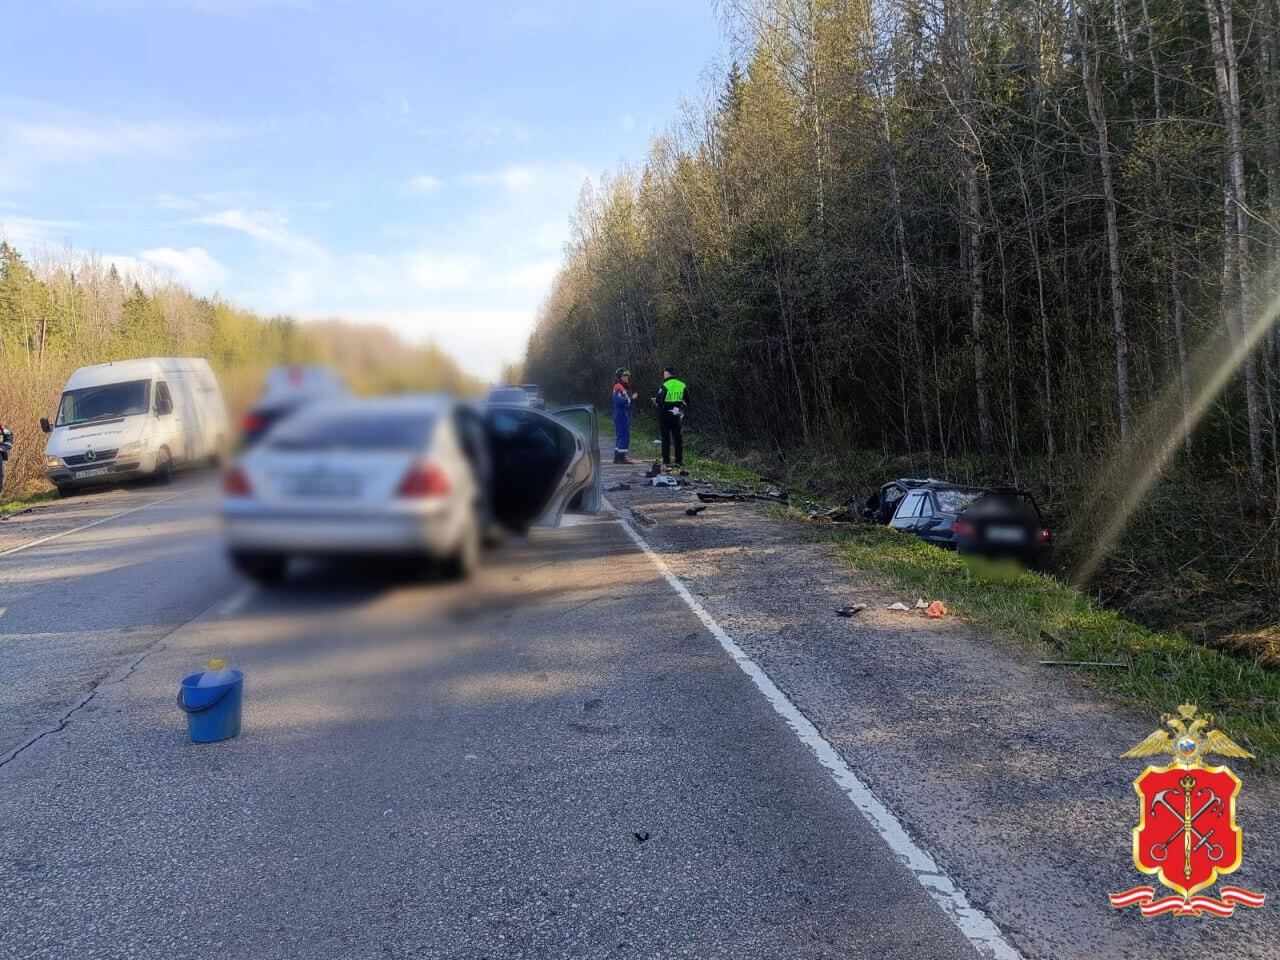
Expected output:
(95, 472)
(325, 485)
(1006, 534)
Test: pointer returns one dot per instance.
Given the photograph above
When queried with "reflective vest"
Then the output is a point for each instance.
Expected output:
(675, 390)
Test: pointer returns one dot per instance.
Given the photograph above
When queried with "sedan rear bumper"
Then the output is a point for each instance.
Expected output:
(281, 531)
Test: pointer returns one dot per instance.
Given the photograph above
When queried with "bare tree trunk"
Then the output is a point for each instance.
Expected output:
(1226, 73)
(1184, 377)
(1097, 114)
(908, 284)
(1033, 241)
(971, 160)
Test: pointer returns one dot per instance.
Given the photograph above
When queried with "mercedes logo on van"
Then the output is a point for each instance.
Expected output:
(89, 455)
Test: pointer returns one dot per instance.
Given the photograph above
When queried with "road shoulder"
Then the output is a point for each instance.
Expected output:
(1007, 773)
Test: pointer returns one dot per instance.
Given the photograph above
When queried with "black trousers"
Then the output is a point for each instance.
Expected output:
(670, 426)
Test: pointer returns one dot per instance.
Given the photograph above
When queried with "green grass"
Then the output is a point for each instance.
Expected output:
(22, 503)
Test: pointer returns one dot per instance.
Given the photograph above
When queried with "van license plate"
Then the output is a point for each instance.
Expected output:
(95, 472)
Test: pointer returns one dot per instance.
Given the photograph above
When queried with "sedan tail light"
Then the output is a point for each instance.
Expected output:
(963, 528)
(1045, 534)
(236, 484)
(424, 480)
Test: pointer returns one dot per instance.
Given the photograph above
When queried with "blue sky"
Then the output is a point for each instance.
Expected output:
(411, 163)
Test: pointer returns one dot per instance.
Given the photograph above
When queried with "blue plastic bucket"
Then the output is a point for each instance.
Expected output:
(213, 713)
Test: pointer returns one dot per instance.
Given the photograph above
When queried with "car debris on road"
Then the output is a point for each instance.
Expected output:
(851, 610)
(694, 511)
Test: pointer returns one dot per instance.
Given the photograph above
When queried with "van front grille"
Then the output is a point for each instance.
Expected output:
(99, 456)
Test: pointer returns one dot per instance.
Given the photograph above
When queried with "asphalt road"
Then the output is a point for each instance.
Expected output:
(557, 760)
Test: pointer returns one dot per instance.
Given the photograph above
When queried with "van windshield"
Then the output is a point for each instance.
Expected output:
(105, 402)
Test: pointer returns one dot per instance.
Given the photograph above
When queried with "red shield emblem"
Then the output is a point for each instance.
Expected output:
(1187, 834)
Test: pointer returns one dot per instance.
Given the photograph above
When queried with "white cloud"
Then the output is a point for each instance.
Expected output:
(193, 266)
(269, 228)
(81, 140)
(513, 178)
(28, 232)
(438, 273)
(425, 183)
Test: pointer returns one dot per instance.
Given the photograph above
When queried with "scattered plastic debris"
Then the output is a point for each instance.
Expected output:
(663, 481)
(922, 604)
(900, 606)
(935, 610)
(851, 610)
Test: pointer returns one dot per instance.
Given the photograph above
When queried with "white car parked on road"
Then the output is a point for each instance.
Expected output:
(135, 418)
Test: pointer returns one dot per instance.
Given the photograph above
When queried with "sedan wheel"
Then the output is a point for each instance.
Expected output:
(466, 558)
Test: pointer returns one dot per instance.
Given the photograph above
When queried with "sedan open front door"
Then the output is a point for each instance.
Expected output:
(540, 465)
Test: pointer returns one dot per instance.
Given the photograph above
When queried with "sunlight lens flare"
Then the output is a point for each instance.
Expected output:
(1137, 464)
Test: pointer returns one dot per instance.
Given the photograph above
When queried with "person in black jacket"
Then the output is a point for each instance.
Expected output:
(672, 400)
(6, 444)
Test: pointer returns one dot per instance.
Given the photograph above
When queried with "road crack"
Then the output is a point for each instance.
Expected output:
(117, 676)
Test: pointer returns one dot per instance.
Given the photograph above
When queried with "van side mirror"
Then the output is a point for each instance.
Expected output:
(44, 425)
(164, 406)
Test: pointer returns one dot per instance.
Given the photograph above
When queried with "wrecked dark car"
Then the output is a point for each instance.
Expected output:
(977, 521)
(931, 508)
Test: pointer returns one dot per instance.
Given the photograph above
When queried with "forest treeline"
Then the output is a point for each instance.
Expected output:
(991, 236)
(64, 310)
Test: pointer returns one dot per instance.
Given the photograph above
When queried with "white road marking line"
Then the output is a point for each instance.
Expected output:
(86, 526)
(237, 601)
(972, 922)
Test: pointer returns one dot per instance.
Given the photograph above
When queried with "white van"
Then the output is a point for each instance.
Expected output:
(135, 418)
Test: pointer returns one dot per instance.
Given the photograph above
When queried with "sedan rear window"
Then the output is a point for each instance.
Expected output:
(362, 430)
(953, 501)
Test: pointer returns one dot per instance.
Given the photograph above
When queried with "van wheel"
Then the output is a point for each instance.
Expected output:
(65, 490)
(466, 558)
(163, 473)
(265, 568)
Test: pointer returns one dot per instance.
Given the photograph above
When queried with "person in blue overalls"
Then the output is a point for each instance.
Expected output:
(622, 397)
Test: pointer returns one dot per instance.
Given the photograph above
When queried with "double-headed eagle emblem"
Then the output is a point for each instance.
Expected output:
(1189, 743)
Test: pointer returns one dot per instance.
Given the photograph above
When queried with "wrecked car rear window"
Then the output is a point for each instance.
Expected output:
(953, 501)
